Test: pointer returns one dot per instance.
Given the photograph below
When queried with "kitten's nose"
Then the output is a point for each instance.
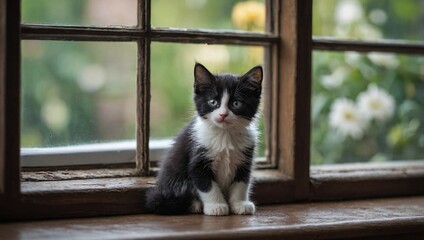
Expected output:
(223, 115)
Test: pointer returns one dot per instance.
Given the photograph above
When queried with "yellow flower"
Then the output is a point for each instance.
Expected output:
(249, 15)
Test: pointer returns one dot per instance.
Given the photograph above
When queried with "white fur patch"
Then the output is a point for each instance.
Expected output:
(242, 208)
(239, 191)
(214, 202)
(239, 199)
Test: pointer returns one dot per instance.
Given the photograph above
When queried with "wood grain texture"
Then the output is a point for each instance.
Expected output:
(270, 86)
(114, 196)
(80, 33)
(367, 180)
(125, 195)
(365, 219)
(143, 94)
(295, 93)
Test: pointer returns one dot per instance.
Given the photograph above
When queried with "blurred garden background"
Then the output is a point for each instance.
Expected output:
(365, 107)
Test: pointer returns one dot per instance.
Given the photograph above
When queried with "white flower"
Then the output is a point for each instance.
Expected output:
(335, 79)
(92, 78)
(388, 60)
(375, 103)
(378, 16)
(348, 11)
(346, 118)
(352, 58)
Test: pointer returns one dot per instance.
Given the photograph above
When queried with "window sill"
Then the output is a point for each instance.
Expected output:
(114, 196)
(393, 218)
(122, 192)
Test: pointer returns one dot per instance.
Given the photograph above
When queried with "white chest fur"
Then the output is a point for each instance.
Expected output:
(225, 147)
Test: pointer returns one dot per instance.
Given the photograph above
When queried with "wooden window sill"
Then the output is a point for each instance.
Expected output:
(77, 195)
(359, 219)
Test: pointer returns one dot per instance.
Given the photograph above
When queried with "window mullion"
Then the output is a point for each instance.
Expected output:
(143, 90)
(295, 93)
(271, 85)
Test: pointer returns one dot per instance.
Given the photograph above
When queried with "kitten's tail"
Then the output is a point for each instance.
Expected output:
(167, 203)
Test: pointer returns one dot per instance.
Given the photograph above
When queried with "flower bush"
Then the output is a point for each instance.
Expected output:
(371, 112)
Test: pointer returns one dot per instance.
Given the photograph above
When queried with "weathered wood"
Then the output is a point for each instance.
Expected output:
(114, 196)
(366, 219)
(295, 92)
(270, 86)
(143, 108)
(391, 46)
(80, 33)
(124, 195)
(143, 95)
(212, 37)
(367, 180)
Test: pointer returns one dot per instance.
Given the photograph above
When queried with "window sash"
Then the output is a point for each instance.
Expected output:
(289, 58)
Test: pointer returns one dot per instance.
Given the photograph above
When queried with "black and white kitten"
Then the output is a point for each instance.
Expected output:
(208, 168)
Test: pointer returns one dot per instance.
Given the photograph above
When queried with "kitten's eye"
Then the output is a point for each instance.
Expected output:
(213, 102)
(236, 104)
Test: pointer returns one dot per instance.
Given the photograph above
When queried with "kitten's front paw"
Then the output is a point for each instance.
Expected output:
(243, 207)
(196, 207)
(216, 209)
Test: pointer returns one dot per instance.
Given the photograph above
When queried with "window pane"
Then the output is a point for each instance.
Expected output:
(369, 19)
(172, 80)
(77, 92)
(367, 107)
(80, 12)
(216, 14)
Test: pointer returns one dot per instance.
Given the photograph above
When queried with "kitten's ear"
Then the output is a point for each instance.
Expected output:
(255, 75)
(202, 76)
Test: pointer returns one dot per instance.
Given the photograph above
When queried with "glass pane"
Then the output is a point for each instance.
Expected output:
(216, 14)
(369, 19)
(80, 12)
(77, 92)
(367, 107)
(172, 80)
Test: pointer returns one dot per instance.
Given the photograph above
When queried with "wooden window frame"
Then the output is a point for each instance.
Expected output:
(291, 44)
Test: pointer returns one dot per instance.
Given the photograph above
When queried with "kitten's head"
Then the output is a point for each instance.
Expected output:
(227, 100)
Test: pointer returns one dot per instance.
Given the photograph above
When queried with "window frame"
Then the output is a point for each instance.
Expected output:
(289, 118)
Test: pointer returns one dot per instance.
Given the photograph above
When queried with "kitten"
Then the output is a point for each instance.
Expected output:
(208, 169)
